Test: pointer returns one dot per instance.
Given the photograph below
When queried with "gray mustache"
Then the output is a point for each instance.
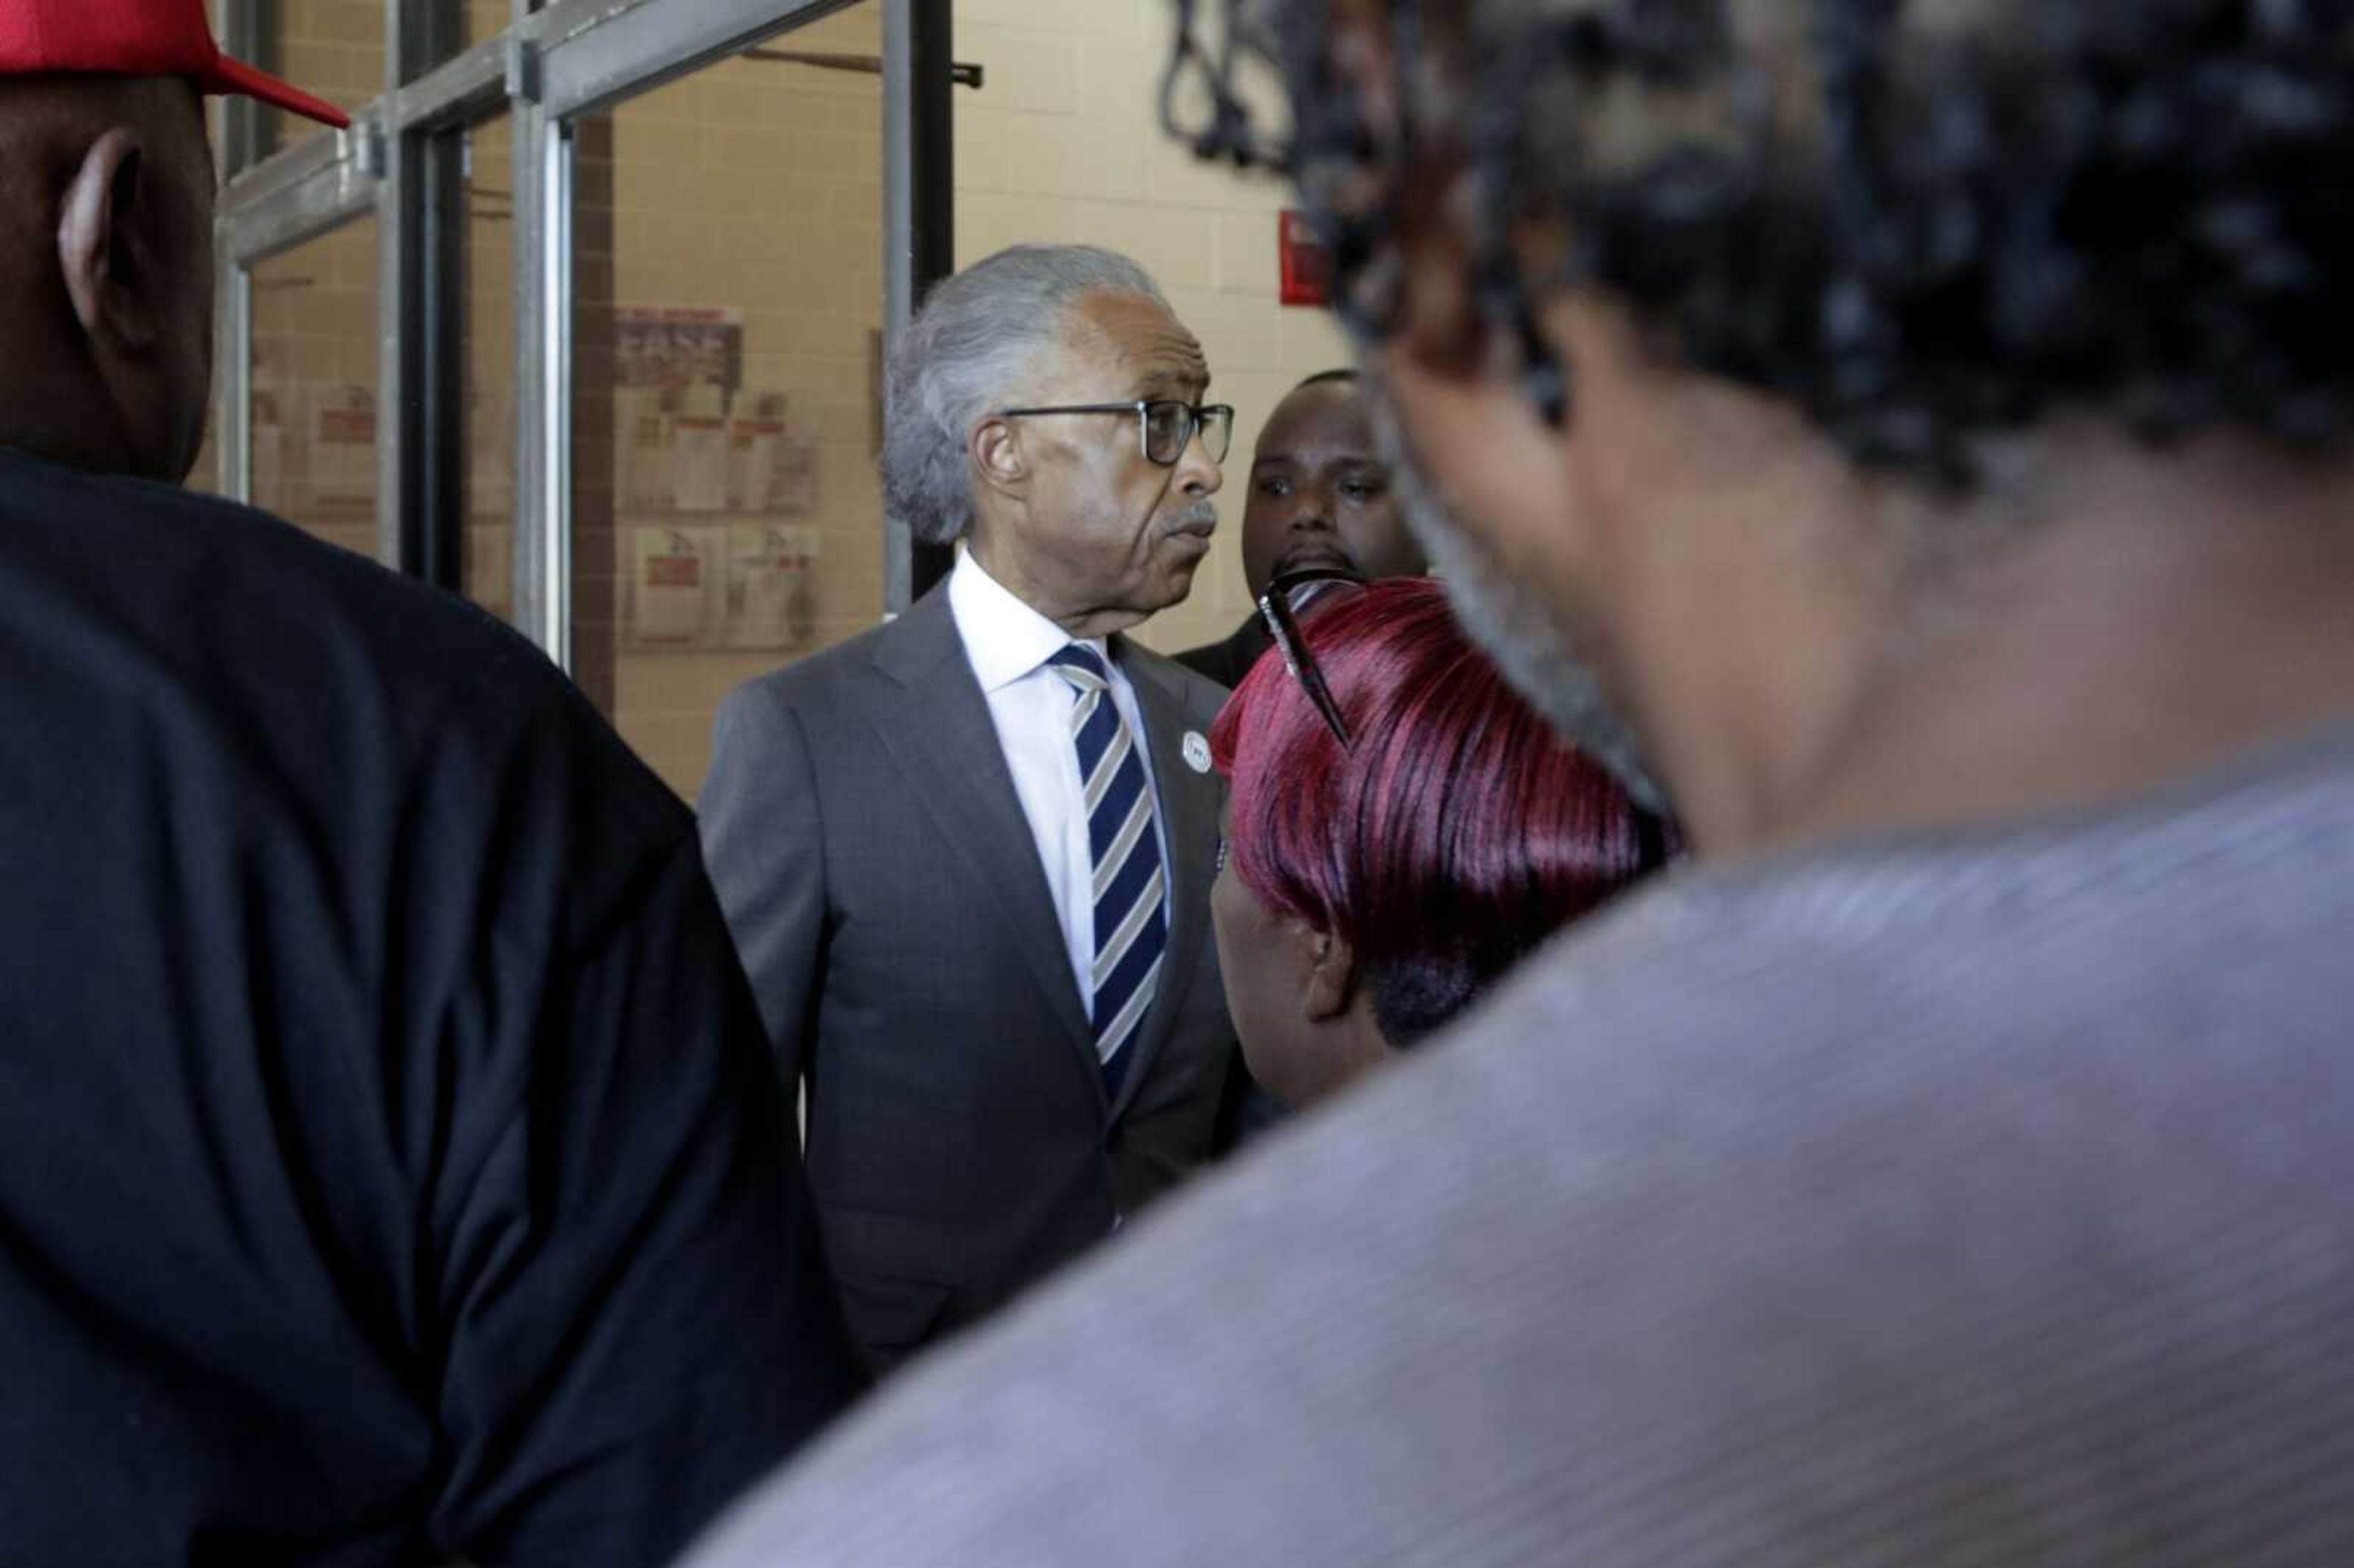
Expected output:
(1200, 513)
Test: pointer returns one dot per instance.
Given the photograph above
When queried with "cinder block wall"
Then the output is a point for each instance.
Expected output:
(1064, 144)
(759, 187)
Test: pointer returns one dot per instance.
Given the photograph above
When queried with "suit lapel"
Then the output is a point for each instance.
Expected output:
(1188, 802)
(943, 738)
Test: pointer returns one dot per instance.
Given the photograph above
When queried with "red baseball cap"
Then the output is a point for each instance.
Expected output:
(138, 37)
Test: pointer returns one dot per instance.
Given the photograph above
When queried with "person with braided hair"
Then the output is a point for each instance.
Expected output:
(1914, 438)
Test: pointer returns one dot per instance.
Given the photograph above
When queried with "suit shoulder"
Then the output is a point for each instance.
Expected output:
(813, 678)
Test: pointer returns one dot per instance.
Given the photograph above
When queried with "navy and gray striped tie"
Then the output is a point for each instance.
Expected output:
(1131, 926)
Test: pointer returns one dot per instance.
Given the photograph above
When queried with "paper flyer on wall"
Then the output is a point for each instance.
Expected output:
(679, 345)
(641, 449)
(771, 600)
(671, 575)
(677, 371)
(793, 487)
(756, 438)
(773, 463)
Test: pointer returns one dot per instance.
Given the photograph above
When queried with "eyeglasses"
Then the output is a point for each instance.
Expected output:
(1286, 600)
(1164, 427)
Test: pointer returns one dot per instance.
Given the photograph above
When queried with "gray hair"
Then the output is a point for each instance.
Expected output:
(967, 353)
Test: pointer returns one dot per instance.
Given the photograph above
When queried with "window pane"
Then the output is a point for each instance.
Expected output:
(315, 386)
(727, 514)
(207, 473)
(486, 562)
(330, 49)
(453, 26)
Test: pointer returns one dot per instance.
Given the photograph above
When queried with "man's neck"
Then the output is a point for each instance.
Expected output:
(2167, 617)
(33, 431)
(1081, 623)
(53, 404)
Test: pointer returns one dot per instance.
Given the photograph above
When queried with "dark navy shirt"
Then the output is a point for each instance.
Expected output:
(391, 1166)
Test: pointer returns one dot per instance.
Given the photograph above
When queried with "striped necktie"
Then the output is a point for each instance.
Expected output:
(1131, 927)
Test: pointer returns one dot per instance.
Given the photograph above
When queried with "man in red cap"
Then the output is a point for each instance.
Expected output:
(391, 1168)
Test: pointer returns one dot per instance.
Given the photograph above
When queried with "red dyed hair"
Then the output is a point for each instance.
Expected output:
(1459, 832)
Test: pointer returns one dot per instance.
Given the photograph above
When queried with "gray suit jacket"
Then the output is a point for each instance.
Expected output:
(885, 893)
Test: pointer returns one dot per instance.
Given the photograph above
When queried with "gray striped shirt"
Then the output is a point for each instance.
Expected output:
(1983, 1200)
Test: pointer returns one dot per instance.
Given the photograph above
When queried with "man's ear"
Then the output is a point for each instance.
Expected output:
(997, 456)
(1332, 976)
(103, 246)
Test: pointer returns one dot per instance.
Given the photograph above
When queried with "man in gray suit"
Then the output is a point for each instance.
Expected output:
(967, 856)
(1921, 435)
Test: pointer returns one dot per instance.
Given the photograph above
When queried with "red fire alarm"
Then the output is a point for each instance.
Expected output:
(1306, 265)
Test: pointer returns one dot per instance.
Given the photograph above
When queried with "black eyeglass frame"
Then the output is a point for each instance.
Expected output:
(1196, 423)
(1283, 625)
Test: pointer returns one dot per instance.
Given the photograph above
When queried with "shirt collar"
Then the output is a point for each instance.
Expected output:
(1003, 637)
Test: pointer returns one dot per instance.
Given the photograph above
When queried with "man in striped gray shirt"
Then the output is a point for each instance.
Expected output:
(1915, 438)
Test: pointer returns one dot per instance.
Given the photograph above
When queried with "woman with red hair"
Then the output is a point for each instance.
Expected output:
(1402, 830)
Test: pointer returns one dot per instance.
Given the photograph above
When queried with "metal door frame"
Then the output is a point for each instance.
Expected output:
(553, 65)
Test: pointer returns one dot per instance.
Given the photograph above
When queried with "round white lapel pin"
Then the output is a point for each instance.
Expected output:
(1197, 752)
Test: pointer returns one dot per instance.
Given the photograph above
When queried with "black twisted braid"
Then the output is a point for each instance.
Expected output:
(1921, 230)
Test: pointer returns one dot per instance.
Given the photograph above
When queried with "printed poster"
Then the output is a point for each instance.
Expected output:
(771, 600)
(672, 576)
(678, 346)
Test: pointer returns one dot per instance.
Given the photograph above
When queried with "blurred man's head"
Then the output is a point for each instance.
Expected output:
(106, 217)
(1321, 491)
(1743, 347)
(1046, 406)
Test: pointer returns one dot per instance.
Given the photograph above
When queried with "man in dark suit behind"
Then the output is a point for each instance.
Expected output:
(1320, 495)
(967, 856)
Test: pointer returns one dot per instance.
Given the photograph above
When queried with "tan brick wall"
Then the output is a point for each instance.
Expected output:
(757, 187)
(315, 353)
(331, 48)
(1064, 144)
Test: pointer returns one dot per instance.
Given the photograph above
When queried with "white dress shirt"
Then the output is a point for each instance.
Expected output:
(1008, 644)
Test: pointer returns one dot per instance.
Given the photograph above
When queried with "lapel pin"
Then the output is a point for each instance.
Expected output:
(1197, 752)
